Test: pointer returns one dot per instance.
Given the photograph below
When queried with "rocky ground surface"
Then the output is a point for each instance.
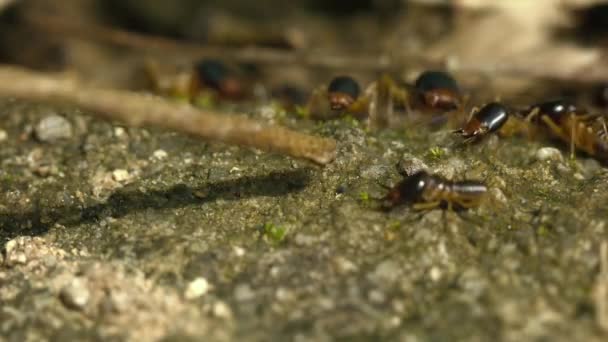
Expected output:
(116, 233)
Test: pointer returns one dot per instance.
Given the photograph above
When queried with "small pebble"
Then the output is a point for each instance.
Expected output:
(374, 172)
(590, 167)
(160, 154)
(343, 265)
(197, 288)
(285, 295)
(53, 128)
(435, 273)
(3, 135)
(548, 153)
(119, 132)
(76, 295)
(238, 251)
(221, 310)
(120, 175)
(243, 293)
(498, 195)
(376, 296)
(10, 246)
(455, 168)
(386, 272)
(20, 258)
(410, 165)
(305, 240)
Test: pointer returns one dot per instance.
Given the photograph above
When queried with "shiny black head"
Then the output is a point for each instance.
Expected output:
(211, 72)
(409, 190)
(346, 85)
(434, 80)
(556, 109)
(492, 116)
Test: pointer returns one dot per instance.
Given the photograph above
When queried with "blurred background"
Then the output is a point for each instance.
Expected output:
(108, 42)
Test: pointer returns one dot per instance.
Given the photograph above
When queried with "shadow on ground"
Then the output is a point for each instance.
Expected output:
(131, 199)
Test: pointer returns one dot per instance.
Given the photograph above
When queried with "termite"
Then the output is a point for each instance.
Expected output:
(424, 191)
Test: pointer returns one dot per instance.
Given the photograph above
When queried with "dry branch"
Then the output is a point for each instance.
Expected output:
(394, 61)
(143, 109)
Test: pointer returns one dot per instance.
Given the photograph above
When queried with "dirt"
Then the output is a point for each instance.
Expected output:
(114, 233)
(111, 228)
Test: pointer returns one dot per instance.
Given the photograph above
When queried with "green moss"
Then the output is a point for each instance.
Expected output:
(364, 197)
(394, 225)
(436, 153)
(273, 233)
(302, 112)
(350, 120)
(204, 100)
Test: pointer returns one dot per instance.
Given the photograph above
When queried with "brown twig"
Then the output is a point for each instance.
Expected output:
(140, 109)
(253, 54)
(394, 61)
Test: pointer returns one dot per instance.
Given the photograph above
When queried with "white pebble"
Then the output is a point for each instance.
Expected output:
(548, 153)
(120, 175)
(75, 295)
(435, 273)
(53, 128)
(238, 251)
(119, 132)
(160, 154)
(197, 288)
(221, 310)
(243, 292)
(498, 195)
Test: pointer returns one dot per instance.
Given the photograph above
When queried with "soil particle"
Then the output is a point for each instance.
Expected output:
(52, 128)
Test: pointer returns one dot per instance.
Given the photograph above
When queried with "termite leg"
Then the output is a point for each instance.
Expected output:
(474, 111)
(555, 128)
(573, 137)
(467, 203)
(426, 206)
(360, 107)
(529, 119)
(532, 114)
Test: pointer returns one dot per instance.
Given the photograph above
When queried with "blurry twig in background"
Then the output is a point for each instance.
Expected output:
(138, 110)
(395, 61)
(6, 3)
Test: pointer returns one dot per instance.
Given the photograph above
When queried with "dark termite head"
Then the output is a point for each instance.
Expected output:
(409, 190)
(438, 90)
(215, 75)
(556, 110)
(342, 92)
(211, 72)
(488, 119)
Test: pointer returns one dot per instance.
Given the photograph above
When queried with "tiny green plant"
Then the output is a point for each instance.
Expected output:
(351, 120)
(394, 225)
(274, 233)
(204, 100)
(364, 196)
(436, 152)
(302, 112)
